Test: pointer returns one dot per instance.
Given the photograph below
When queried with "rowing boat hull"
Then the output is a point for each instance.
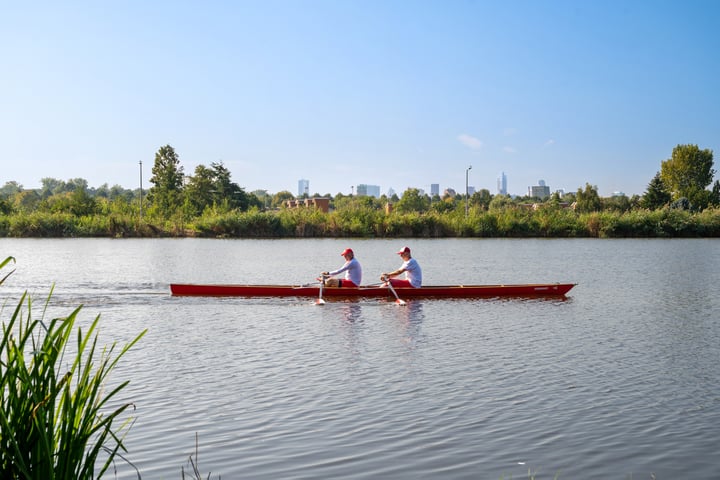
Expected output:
(446, 291)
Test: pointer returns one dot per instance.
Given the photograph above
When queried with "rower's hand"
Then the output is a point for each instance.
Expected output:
(383, 277)
(325, 274)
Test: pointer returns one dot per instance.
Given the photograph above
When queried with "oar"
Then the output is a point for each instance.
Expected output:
(320, 300)
(397, 299)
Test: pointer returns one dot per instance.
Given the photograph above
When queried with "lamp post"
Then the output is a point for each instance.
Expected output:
(467, 172)
(141, 205)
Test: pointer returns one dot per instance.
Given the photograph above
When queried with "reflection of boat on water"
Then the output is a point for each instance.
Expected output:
(442, 291)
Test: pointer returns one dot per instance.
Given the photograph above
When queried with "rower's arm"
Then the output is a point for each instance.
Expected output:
(394, 273)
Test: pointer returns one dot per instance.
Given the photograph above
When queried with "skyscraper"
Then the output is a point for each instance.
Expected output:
(303, 187)
(368, 190)
(539, 191)
(434, 189)
(502, 184)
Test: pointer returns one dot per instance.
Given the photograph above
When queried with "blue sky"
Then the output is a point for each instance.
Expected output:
(385, 92)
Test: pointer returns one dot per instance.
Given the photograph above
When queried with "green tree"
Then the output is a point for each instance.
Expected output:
(76, 183)
(5, 207)
(118, 192)
(656, 195)
(280, 198)
(78, 203)
(51, 186)
(481, 198)
(167, 180)
(715, 197)
(26, 201)
(413, 201)
(687, 174)
(199, 190)
(587, 200)
(499, 202)
(10, 189)
(226, 189)
(443, 206)
(617, 203)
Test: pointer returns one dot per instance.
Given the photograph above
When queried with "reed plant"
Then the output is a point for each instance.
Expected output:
(370, 222)
(57, 421)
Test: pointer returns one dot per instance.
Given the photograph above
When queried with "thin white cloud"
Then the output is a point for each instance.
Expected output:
(549, 143)
(470, 141)
(509, 132)
(509, 149)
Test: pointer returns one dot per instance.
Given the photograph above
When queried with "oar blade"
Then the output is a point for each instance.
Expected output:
(320, 300)
(398, 301)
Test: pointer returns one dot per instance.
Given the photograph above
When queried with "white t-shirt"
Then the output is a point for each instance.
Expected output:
(413, 272)
(353, 271)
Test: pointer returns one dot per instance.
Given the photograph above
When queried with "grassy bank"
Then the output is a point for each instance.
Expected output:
(373, 223)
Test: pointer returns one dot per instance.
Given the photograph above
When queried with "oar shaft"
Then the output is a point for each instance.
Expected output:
(320, 300)
(397, 298)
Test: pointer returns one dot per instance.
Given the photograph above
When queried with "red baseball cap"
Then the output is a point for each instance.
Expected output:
(404, 250)
(346, 251)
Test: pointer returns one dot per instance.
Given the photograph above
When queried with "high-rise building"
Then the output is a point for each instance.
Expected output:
(434, 189)
(539, 191)
(368, 190)
(502, 184)
(303, 187)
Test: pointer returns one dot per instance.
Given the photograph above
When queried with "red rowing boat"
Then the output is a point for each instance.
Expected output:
(446, 291)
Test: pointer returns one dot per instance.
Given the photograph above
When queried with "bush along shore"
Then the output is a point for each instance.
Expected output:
(368, 222)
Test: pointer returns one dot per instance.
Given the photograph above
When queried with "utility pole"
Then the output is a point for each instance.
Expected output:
(467, 172)
(141, 190)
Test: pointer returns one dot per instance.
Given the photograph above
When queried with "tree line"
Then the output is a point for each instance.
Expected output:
(210, 203)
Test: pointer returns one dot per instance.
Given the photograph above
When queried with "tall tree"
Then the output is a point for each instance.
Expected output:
(481, 198)
(167, 180)
(51, 186)
(11, 188)
(656, 195)
(200, 190)
(212, 187)
(588, 200)
(687, 174)
(715, 198)
(227, 190)
(413, 201)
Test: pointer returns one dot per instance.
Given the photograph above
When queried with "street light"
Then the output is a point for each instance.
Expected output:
(467, 172)
(141, 190)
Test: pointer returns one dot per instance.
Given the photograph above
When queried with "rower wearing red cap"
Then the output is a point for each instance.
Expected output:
(352, 269)
(413, 272)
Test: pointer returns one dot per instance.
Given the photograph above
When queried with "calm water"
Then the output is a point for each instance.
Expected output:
(619, 380)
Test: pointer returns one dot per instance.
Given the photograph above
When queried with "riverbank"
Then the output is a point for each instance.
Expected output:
(371, 223)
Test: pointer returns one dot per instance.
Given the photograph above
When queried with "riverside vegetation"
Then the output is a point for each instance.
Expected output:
(57, 418)
(677, 203)
(367, 217)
